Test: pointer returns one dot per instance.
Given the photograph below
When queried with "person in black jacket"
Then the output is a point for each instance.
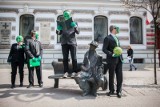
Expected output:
(130, 58)
(114, 61)
(34, 50)
(16, 58)
(68, 42)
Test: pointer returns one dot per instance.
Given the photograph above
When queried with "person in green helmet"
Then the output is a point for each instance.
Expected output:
(34, 51)
(17, 58)
(114, 59)
(68, 42)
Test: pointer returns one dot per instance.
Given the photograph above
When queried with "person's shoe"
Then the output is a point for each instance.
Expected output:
(85, 94)
(65, 75)
(119, 95)
(73, 75)
(21, 85)
(135, 69)
(95, 94)
(130, 70)
(29, 86)
(110, 93)
(41, 85)
(13, 86)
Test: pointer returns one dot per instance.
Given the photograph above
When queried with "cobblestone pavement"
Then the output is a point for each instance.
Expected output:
(138, 91)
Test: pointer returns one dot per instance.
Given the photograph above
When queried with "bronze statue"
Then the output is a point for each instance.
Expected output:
(91, 77)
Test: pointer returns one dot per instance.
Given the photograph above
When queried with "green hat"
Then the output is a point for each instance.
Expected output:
(19, 38)
(37, 35)
(117, 29)
(66, 15)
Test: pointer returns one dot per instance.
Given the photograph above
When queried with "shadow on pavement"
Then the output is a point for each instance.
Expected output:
(24, 94)
(142, 86)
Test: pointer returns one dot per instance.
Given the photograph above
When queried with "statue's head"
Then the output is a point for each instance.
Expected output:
(19, 39)
(66, 14)
(93, 45)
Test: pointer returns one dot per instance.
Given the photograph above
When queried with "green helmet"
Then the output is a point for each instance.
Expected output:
(66, 15)
(19, 38)
(37, 35)
(117, 29)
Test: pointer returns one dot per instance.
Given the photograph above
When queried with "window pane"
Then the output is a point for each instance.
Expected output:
(26, 25)
(60, 18)
(136, 30)
(100, 28)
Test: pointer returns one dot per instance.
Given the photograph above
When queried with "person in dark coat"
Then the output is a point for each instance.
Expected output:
(68, 42)
(114, 61)
(33, 49)
(16, 58)
(130, 58)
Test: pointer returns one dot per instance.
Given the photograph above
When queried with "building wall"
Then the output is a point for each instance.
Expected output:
(45, 16)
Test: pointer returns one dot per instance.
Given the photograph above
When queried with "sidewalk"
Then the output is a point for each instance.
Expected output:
(138, 91)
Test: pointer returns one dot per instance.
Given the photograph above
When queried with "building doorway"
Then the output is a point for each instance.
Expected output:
(26, 25)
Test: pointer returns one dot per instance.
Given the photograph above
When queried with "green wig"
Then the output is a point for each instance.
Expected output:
(19, 38)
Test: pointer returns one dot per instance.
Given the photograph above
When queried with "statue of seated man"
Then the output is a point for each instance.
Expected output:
(91, 77)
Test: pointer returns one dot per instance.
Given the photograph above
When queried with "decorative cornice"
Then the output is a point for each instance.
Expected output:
(83, 20)
(8, 10)
(83, 11)
(48, 46)
(119, 13)
(84, 37)
(45, 11)
(45, 20)
(83, 46)
(124, 30)
(123, 38)
(4, 46)
(7, 19)
(119, 21)
(85, 29)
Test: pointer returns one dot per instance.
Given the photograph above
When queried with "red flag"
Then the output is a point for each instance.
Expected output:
(149, 16)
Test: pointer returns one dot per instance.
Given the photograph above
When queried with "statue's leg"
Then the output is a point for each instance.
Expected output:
(84, 85)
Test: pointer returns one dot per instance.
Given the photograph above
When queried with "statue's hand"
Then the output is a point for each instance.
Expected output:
(83, 68)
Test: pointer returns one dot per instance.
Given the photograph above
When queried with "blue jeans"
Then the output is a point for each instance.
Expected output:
(131, 64)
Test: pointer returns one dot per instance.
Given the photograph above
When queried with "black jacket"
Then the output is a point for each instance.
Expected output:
(130, 53)
(68, 37)
(108, 46)
(30, 49)
(16, 54)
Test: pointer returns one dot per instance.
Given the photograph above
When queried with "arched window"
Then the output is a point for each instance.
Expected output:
(136, 35)
(26, 25)
(100, 28)
(60, 18)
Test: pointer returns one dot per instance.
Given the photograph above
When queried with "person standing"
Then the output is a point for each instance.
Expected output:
(68, 43)
(34, 51)
(130, 58)
(16, 58)
(114, 61)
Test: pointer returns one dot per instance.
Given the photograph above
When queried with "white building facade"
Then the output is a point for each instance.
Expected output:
(19, 17)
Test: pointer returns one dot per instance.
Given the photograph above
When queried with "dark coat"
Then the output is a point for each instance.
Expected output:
(30, 49)
(130, 53)
(108, 46)
(68, 37)
(16, 54)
